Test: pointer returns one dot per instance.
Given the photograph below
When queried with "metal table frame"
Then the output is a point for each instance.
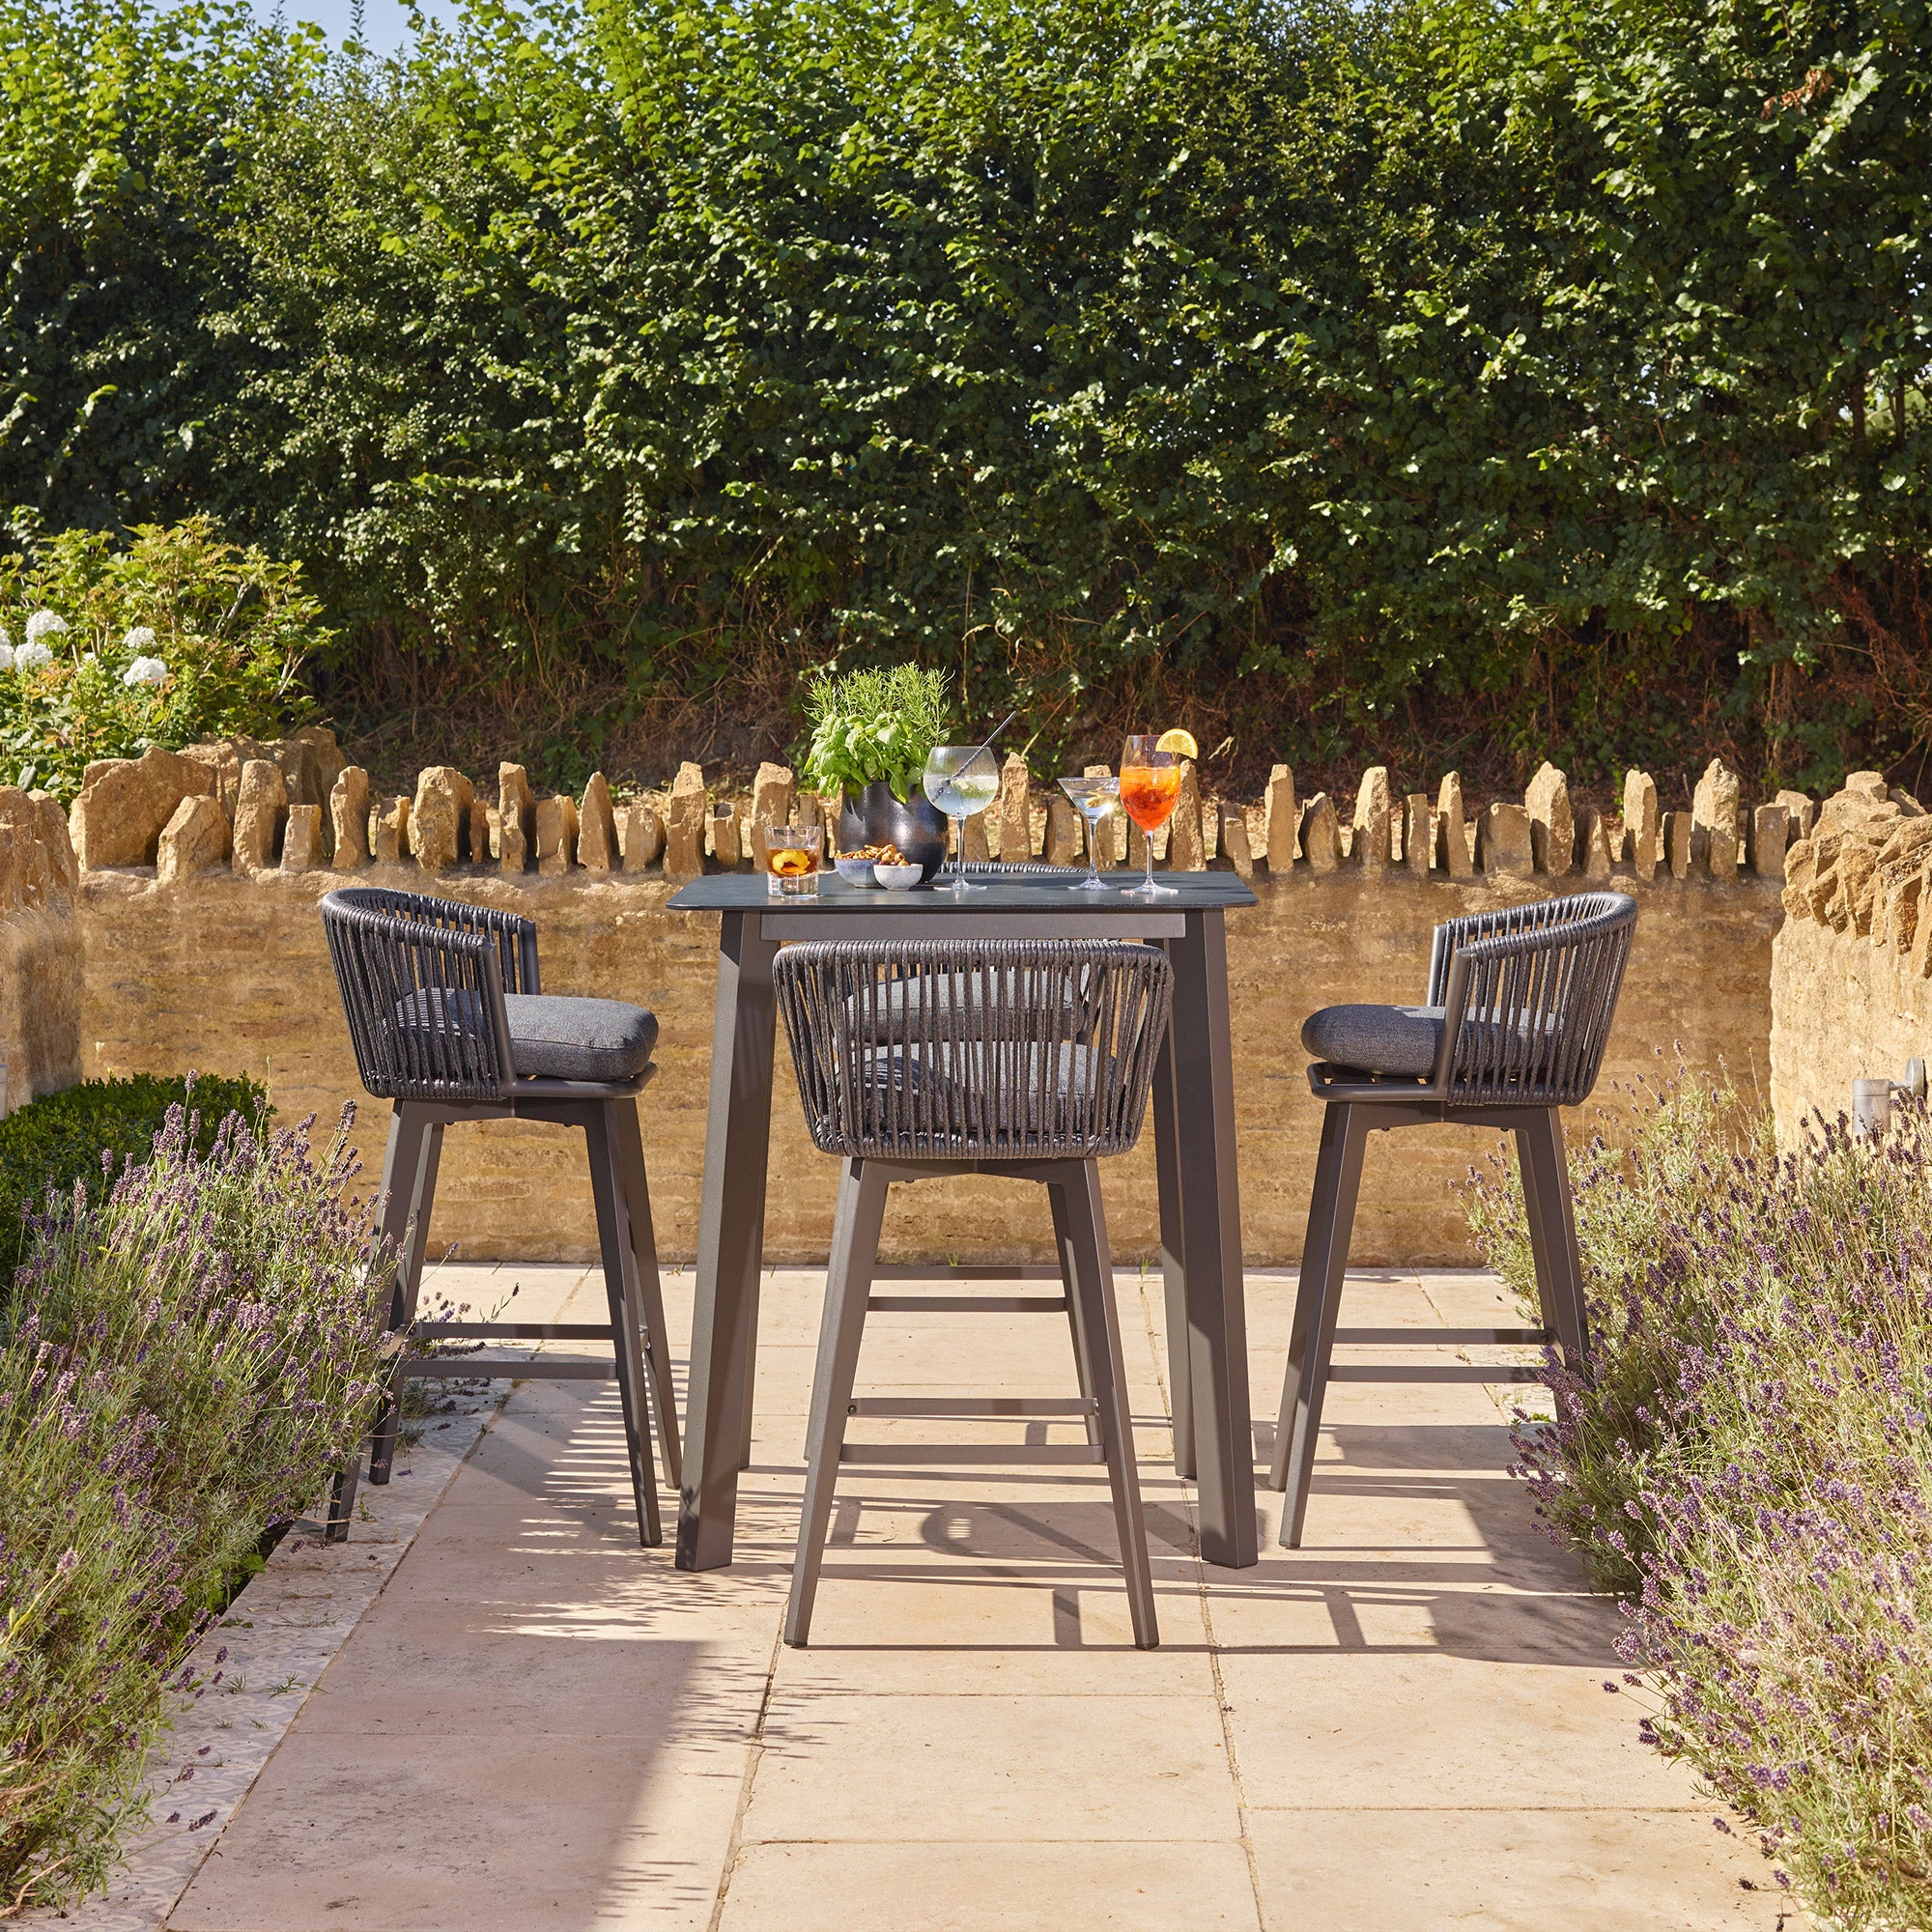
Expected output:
(1194, 1159)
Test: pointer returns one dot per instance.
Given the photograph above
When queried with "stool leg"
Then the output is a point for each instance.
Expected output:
(1553, 1230)
(409, 1182)
(1063, 1249)
(1078, 1201)
(659, 1386)
(848, 1285)
(1324, 1259)
(621, 1289)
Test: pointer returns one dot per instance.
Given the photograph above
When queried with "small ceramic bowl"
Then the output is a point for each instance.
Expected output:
(899, 878)
(856, 872)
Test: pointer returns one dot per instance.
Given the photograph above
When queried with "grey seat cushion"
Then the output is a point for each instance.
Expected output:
(953, 1005)
(559, 1036)
(552, 1036)
(1377, 1039)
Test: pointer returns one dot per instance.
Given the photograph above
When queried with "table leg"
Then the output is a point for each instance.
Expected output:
(731, 1244)
(1173, 1261)
(1210, 1216)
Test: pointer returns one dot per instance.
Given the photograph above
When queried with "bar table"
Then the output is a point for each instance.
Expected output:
(1194, 1159)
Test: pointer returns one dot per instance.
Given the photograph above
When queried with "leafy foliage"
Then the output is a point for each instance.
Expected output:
(192, 1354)
(869, 725)
(59, 1141)
(173, 636)
(1748, 1455)
(1542, 378)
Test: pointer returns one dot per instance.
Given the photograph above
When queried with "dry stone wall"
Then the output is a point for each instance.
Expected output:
(220, 965)
(40, 949)
(1851, 968)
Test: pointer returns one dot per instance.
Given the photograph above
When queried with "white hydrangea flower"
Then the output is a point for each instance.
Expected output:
(146, 670)
(32, 656)
(45, 624)
(6, 652)
(139, 638)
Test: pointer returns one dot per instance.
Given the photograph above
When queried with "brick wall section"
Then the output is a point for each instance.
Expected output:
(229, 975)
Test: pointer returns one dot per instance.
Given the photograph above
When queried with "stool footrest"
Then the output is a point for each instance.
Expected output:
(972, 1451)
(990, 1406)
(1351, 1371)
(514, 1331)
(1416, 1338)
(503, 1368)
(967, 1304)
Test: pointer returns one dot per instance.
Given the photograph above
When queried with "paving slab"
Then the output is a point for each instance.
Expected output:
(1401, 1726)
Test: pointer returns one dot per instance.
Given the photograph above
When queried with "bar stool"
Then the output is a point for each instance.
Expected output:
(1518, 1015)
(920, 1058)
(448, 1022)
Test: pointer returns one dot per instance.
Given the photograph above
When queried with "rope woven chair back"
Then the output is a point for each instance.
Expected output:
(422, 984)
(1002, 1050)
(1541, 983)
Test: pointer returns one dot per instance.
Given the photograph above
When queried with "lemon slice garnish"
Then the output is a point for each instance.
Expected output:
(1181, 742)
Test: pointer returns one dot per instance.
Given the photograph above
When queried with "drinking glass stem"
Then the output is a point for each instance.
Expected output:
(1147, 838)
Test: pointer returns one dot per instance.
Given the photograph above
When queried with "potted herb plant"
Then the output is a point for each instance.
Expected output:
(872, 733)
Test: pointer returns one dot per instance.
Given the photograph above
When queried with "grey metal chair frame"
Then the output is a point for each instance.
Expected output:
(921, 1058)
(450, 965)
(1527, 996)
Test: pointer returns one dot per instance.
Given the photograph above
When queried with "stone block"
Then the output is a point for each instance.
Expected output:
(261, 806)
(1594, 837)
(302, 841)
(1714, 820)
(392, 832)
(194, 840)
(1504, 846)
(1063, 832)
(641, 832)
(125, 803)
(479, 848)
(1552, 824)
(348, 814)
(1418, 833)
(1643, 826)
(224, 759)
(684, 830)
(1373, 823)
(1452, 836)
(597, 827)
(1320, 834)
(1771, 836)
(1186, 847)
(723, 839)
(1803, 812)
(439, 818)
(774, 793)
(1110, 835)
(1015, 812)
(1234, 848)
(1674, 831)
(1282, 821)
(556, 834)
(310, 761)
(974, 847)
(1867, 784)
(516, 819)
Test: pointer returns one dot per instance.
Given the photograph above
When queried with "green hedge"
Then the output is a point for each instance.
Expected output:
(62, 1138)
(1544, 376)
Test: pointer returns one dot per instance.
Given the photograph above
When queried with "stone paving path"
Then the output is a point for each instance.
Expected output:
(537, 1725)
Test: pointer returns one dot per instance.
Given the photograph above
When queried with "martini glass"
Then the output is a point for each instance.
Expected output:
(961, 781)
(1150, 790)
(1094, 800)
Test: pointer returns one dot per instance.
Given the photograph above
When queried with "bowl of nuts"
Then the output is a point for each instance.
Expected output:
(856, 868)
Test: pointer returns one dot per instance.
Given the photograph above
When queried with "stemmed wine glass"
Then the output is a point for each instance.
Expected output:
(961, 779)
(1150, 790)
(1094, 800)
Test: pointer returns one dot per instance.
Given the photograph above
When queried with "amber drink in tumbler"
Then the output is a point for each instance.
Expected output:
(792, 851)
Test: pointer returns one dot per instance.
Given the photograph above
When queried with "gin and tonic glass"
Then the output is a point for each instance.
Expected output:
(1094, 800)
(961, 781)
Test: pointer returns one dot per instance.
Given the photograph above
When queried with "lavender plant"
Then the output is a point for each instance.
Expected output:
(1747, 1458)
(191, 1357)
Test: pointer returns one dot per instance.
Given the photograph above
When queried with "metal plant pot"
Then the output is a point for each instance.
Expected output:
(875, 817)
